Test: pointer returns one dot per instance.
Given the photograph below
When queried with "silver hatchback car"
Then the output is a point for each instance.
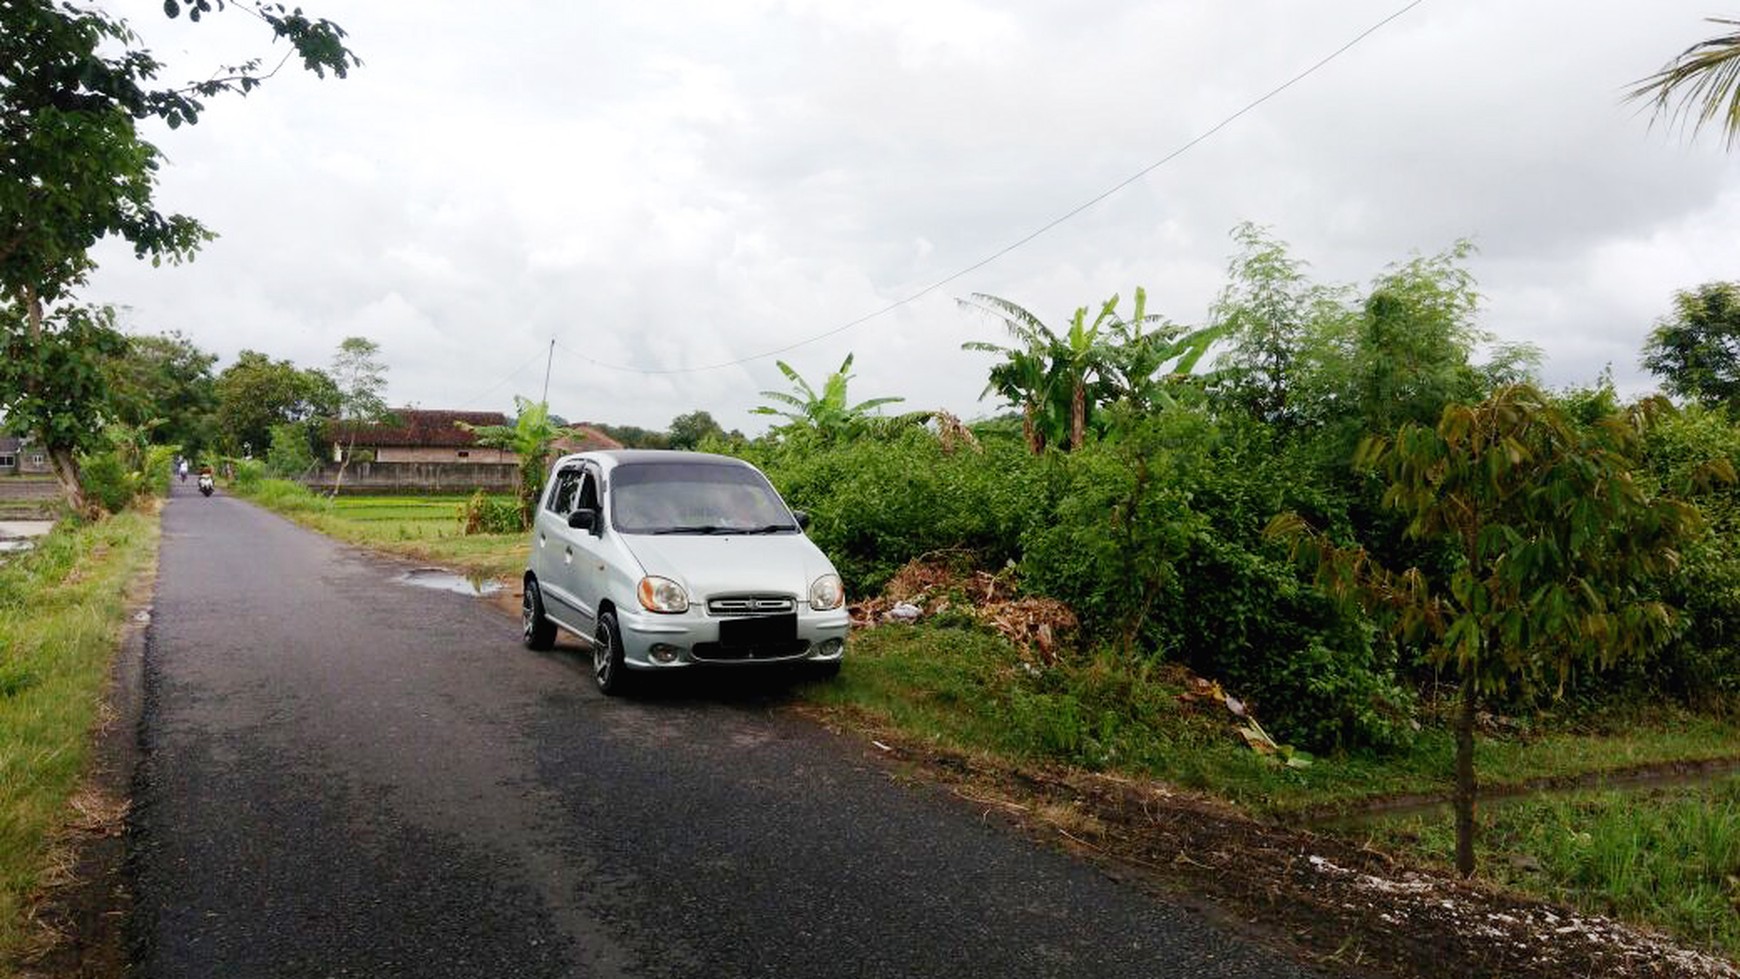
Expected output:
(663, 560)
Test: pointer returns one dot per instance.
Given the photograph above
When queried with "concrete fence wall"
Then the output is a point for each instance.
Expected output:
(446, 478)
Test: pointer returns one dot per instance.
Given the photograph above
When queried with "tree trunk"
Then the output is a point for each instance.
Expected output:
(1030, 429)
(1465, 778)
(66, 471)
(1078, 414)
(343, 461)
(60, 457)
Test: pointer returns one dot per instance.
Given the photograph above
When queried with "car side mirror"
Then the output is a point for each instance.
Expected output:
(586, 520)
(802, 517)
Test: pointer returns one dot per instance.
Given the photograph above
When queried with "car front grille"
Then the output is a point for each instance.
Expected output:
(750, 605)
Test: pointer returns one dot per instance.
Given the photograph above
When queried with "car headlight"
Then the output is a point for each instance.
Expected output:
(662, 595)
(826, 593)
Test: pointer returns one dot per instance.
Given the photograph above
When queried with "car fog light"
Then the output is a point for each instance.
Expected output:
(663, 652)
(832, 647)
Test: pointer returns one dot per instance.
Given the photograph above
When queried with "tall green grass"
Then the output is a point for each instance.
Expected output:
(1669, 857)
(62, 607)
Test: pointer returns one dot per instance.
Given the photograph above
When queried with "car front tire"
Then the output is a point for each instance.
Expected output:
(537, 632)
(607, 669)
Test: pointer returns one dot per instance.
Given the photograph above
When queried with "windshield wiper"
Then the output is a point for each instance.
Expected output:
(695, 529)
(772, 528)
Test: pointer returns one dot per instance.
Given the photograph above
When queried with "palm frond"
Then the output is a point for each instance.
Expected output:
(793, 376)
(983, 346)
(1022, 325)
(784, 398)
(1701, 85)
(864, 406)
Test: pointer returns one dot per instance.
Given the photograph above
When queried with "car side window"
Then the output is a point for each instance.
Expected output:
(588, 492)
(562, 497)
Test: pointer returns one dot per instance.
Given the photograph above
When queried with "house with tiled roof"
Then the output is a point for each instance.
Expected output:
(423, 435)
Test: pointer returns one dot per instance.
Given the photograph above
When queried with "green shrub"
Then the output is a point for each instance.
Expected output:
(1157, 543)
(1701, 665)
(875, 504)
(249, 473)
(1122, 521)
(289, 454)
(160, 468)
(484, 514)
(107, 482)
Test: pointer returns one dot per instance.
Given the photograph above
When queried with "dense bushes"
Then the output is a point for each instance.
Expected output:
(1153, 535)
(1701, 665)
(875, 504)
(126, 469)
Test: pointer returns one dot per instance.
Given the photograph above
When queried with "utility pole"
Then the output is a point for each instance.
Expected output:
(547, 362)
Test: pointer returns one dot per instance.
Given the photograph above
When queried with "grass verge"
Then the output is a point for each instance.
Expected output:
(971, 691)
(62, 607)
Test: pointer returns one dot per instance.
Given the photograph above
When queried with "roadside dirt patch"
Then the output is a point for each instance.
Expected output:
(1039, 627)
(1341, 906)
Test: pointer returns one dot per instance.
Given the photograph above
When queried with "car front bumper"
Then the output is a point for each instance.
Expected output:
(654, 641)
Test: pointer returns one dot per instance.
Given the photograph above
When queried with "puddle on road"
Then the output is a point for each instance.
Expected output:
(442, 579)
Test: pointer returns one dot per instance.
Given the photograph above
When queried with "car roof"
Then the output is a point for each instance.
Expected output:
(611, 458)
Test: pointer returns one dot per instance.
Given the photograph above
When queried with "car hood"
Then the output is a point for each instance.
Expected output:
(732, 564)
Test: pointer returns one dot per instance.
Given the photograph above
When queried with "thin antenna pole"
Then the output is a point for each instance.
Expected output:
(550, 360)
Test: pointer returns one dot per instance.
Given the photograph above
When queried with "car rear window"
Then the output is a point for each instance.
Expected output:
(700, 498)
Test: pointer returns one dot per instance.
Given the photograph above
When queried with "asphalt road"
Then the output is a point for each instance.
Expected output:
(344, 775)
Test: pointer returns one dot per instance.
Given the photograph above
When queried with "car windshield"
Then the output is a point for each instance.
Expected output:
(695, 498)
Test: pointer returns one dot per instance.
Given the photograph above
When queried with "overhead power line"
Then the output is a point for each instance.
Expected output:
(1029, 237)
(510, 376)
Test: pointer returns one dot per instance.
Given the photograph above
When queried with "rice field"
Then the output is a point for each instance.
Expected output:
(403, 517)
(426, 528)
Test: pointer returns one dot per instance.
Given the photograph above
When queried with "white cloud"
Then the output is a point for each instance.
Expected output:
(690, 183)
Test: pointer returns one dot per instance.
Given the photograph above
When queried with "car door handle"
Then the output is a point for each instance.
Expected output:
(567, 555)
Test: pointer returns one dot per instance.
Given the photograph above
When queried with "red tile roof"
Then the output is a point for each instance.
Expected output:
(421, 428)
(585, 439)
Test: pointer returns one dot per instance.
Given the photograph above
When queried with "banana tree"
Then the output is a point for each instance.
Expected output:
(1057, 380)
(1144, 364)
(1085, 359)
(827, 413)
(529, 438)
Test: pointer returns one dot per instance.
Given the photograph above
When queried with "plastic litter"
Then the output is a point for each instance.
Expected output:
(904, 612)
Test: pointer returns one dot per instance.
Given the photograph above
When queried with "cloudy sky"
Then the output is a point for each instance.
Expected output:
(667, 186)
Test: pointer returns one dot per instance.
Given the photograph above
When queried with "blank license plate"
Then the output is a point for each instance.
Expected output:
(758, 629)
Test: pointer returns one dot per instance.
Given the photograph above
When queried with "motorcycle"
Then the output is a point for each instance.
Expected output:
(205, 484)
